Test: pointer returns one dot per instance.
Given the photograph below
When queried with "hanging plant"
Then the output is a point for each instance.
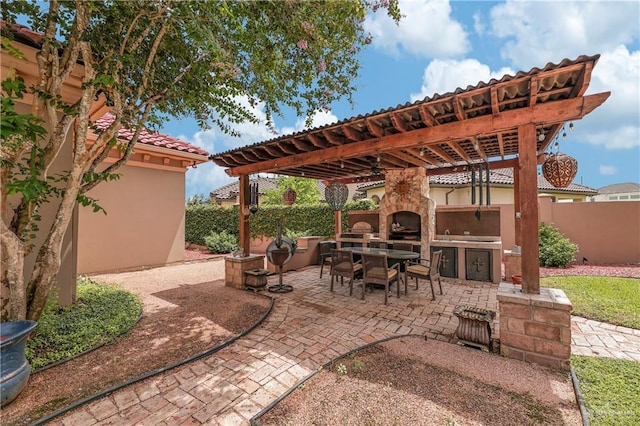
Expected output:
(289, 196)
(559, 169)
(336, 195)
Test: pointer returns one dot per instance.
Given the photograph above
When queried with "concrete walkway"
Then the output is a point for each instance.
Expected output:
(307, 328)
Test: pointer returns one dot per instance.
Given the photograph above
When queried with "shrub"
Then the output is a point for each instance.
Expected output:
(556, 250)
(294, 235)
(363, 204)
(221, 242)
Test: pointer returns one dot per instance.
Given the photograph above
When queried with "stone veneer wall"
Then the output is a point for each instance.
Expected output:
(234, 268)
(535, 327)
(408, 190)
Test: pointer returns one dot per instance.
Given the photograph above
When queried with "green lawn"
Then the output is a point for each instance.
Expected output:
(610, 388)
(607, 299)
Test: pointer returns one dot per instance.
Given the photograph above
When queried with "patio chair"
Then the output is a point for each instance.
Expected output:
(427, 269)
(343, 266)
(325, 248)
(376, 271)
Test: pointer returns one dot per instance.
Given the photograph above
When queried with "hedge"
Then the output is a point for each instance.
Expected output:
(202, 219)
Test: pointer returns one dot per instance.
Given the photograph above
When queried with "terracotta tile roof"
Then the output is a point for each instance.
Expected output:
(152, 138)
(230, 191)
(22, 34)
(496, 177)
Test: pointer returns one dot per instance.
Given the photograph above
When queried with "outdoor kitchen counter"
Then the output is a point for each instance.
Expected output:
(467, 265)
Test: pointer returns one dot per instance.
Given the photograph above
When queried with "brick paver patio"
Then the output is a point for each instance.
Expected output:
(307, 328)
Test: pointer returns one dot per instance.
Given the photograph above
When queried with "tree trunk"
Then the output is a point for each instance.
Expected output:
(13, 305)
(47, 263)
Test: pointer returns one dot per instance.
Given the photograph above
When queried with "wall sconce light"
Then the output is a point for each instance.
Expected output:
(422, 152)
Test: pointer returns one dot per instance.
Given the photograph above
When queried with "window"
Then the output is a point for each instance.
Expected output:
(635, 196)
(613, 197)
(624, 197)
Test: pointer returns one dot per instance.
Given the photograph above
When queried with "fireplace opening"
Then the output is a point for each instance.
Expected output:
(404, 225)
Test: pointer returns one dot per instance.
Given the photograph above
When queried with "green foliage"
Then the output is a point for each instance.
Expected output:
(203, 219)
(341, 369)
(307, 191)
(196, 199)
(221, 242)
(608, 299)
(363, 204)
(610, 390)
(101, 315)
(555, 249)
(294, 235)
(152, 61)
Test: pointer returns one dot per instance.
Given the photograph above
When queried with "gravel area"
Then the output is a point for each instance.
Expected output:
(624, 271)
(410, 381)
(182, 317)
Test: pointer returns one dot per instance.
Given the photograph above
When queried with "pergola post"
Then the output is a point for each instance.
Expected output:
(338, 222)
(516, 205)
(245, 241)
(528, 191)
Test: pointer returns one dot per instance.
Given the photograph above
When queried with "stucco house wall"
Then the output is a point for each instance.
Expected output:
(144, 224)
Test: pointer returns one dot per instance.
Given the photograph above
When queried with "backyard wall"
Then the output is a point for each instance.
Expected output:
(606, 232)
(144, 224)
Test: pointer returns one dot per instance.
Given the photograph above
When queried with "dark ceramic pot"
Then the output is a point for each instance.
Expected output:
(14, 368)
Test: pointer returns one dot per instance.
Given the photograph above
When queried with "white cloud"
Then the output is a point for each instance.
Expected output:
(209, 176)
(608, 170)
(625, 137)
(443, 76)
(426, 29)
(320, 118)
(478, 24)
(537, 32)
(616, 123)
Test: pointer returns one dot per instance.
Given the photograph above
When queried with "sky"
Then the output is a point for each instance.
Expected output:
(442, 45)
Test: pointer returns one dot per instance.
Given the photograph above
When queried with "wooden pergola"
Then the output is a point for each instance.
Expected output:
(509, 122)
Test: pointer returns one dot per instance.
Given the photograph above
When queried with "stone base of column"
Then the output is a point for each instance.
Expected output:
(235, 267)
(535, 328)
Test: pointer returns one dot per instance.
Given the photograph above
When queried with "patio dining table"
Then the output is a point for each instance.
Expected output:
(404, 256)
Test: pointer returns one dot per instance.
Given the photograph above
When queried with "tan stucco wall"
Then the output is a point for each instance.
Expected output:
(144, 225)
(65, 281)
(462, 196)
(606, 232)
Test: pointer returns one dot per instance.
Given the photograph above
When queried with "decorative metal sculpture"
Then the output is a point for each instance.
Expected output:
(279, 252)
(336, 195)
(559, 169)
(289, 196)
(253, 197)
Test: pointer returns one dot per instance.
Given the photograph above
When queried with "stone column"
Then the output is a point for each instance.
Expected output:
(234, 268)
(535, 328)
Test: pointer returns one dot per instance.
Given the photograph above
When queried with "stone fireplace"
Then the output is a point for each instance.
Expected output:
(407, 201)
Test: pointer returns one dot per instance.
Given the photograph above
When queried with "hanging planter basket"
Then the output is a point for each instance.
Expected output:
(559, 169)
(336, 195)
(289, 196)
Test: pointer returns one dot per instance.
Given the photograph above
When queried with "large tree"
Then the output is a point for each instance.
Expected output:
(149, 60)
(307, 191)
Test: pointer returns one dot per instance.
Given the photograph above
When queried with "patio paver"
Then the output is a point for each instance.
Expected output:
(307, 328)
